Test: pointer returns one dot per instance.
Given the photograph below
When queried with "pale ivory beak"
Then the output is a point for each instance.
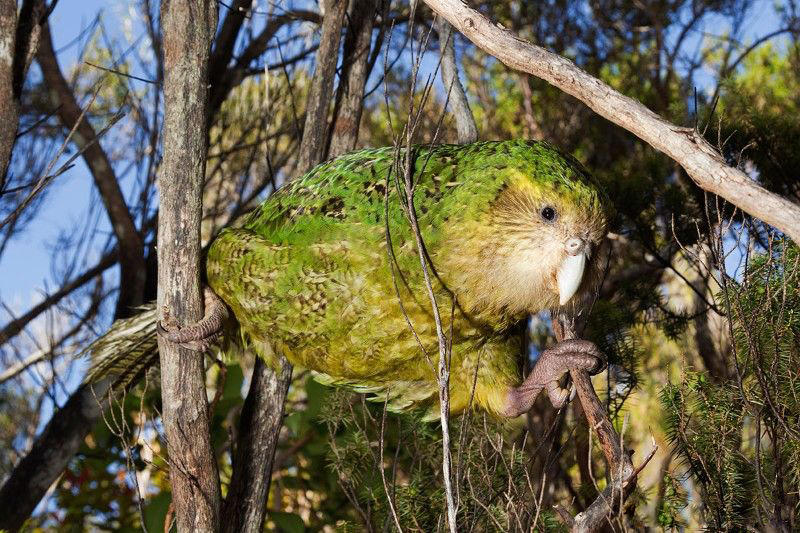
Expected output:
(570, 275)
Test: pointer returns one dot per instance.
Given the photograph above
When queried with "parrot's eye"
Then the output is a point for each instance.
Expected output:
(548, 213)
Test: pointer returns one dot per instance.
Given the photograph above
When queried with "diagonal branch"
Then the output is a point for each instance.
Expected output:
(18, 324)
(687, 147)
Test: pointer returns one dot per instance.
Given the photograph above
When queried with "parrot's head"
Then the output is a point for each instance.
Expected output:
(537, 240)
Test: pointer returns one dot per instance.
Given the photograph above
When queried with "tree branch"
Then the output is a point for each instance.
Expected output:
(315, 132)
(223, 81)
(188, 29)
(619, 463)
(131, 248)
(687, 147)
(355, 71)
(18, 324)
(60, 440)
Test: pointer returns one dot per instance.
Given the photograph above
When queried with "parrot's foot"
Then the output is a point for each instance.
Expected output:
(200, 335)
(552, 364)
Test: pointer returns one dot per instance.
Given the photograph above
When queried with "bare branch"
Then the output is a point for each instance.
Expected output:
(16, 325)
(705, 166)
(262, 415)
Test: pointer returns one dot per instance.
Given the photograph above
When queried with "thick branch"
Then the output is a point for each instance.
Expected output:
(188, 29)
(355, 71)
(315, 132)
(131, 249)
(60, 440)
(705, 166)
(259, 427)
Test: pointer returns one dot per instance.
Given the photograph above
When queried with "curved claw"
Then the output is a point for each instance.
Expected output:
(200, 335)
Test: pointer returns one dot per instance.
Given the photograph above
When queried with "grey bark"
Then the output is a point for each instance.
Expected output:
(355, 71)
(131, 247)
(259, 427)
(188, 28)
(18, 39)
(454, 91)
(312, 147)
(687, 147)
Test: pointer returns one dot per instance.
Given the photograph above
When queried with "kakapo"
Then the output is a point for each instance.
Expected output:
(326, 272)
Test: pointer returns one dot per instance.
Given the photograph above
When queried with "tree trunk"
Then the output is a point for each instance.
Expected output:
(188, 28)
(355, 71)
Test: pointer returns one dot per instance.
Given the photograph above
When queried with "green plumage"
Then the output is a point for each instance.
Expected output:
(326, 270)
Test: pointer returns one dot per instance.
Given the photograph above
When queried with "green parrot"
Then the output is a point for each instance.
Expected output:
(327, 273)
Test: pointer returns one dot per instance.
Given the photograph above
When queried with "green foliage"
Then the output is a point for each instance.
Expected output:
(672, 505)
(496, 491)
(738, 437)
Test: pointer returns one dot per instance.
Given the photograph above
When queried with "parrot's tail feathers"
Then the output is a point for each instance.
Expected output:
(127, 350)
